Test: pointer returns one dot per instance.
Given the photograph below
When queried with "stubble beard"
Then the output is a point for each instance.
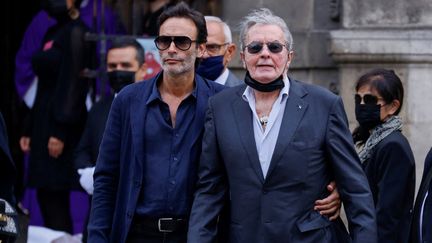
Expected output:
(185, 66)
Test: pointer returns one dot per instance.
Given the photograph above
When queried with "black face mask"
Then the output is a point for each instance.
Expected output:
(368, 115)
(119, 79)
(272, 86)
(56, 9)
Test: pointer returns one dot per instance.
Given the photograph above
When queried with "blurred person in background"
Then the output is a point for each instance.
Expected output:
(125, 65)
(59, 112)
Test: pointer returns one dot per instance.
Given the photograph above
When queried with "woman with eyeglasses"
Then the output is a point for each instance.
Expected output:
(385, 153)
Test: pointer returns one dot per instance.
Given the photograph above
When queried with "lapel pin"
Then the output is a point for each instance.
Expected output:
(299, 106)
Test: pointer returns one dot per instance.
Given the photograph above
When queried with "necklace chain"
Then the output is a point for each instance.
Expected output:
(263, 120)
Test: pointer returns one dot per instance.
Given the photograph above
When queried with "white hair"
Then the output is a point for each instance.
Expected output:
(226, 28)
(266, 17)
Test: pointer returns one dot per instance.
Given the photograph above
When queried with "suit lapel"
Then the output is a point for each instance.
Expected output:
(243, 115)
(293, 114)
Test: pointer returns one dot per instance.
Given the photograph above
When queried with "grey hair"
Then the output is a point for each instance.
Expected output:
(226, 28)
(265, 17)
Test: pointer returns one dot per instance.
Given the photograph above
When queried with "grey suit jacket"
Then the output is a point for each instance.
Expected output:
(232, 80)
(314, 146)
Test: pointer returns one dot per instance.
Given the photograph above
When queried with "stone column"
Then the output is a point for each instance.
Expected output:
(393, 34)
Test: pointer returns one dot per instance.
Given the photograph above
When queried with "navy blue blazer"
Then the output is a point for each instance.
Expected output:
(425, 187)
(118, 175)
(314, 146)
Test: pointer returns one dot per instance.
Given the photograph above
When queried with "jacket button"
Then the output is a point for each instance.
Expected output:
(129, 215)
(264, 192)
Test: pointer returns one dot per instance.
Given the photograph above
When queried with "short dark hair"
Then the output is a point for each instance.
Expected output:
(182, 10)
(124, 42)
(386, 83)
(389, 87)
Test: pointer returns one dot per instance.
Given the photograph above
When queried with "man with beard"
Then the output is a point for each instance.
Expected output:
(146, 169)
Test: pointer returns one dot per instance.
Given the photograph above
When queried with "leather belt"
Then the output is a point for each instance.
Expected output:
(164, 225)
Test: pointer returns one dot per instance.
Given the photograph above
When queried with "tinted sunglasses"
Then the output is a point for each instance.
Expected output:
(256, 47)
(368, 99)
(181, 42)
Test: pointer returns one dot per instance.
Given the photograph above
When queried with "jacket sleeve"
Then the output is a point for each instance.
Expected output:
(211, 188)
(352, 183)
(395, 196)
(106, 177)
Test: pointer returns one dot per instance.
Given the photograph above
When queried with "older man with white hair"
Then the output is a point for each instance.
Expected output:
(271, 146)
(220, 50)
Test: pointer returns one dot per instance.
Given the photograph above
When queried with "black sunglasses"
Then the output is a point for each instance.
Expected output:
(368, 99)
(181, 42)
(255, 47)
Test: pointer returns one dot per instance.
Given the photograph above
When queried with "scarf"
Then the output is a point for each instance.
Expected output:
(379, 133)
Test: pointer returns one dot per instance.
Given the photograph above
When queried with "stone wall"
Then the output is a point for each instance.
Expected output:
(396, 35)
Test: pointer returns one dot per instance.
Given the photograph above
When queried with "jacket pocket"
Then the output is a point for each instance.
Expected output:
(312, 221)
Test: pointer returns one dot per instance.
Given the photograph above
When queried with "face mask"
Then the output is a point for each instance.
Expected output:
(211, 67)
(272, 86)
(55, 8)
(119, 79)
(368, 115)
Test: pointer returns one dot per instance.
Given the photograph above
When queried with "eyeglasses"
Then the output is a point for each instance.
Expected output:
(368, 99)
(213, 49)
(256, 47)
(181, 42)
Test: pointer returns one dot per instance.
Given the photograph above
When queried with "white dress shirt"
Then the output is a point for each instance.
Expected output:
(265, 140)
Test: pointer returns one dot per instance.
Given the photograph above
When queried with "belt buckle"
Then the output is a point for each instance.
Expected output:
(159, 225)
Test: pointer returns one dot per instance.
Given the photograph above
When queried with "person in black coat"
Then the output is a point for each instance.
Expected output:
(385, 153)
(422, 217)
(125, 64)
(59, 111)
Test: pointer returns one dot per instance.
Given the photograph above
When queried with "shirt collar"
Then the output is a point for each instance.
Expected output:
(155, 94)
(222, 79)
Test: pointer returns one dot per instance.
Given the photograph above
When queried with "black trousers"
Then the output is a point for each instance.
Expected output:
(143, 233)
(55, 209)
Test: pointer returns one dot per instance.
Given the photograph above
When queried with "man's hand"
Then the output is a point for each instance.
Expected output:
(330, 206)
(25, 144)
(55, 147)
